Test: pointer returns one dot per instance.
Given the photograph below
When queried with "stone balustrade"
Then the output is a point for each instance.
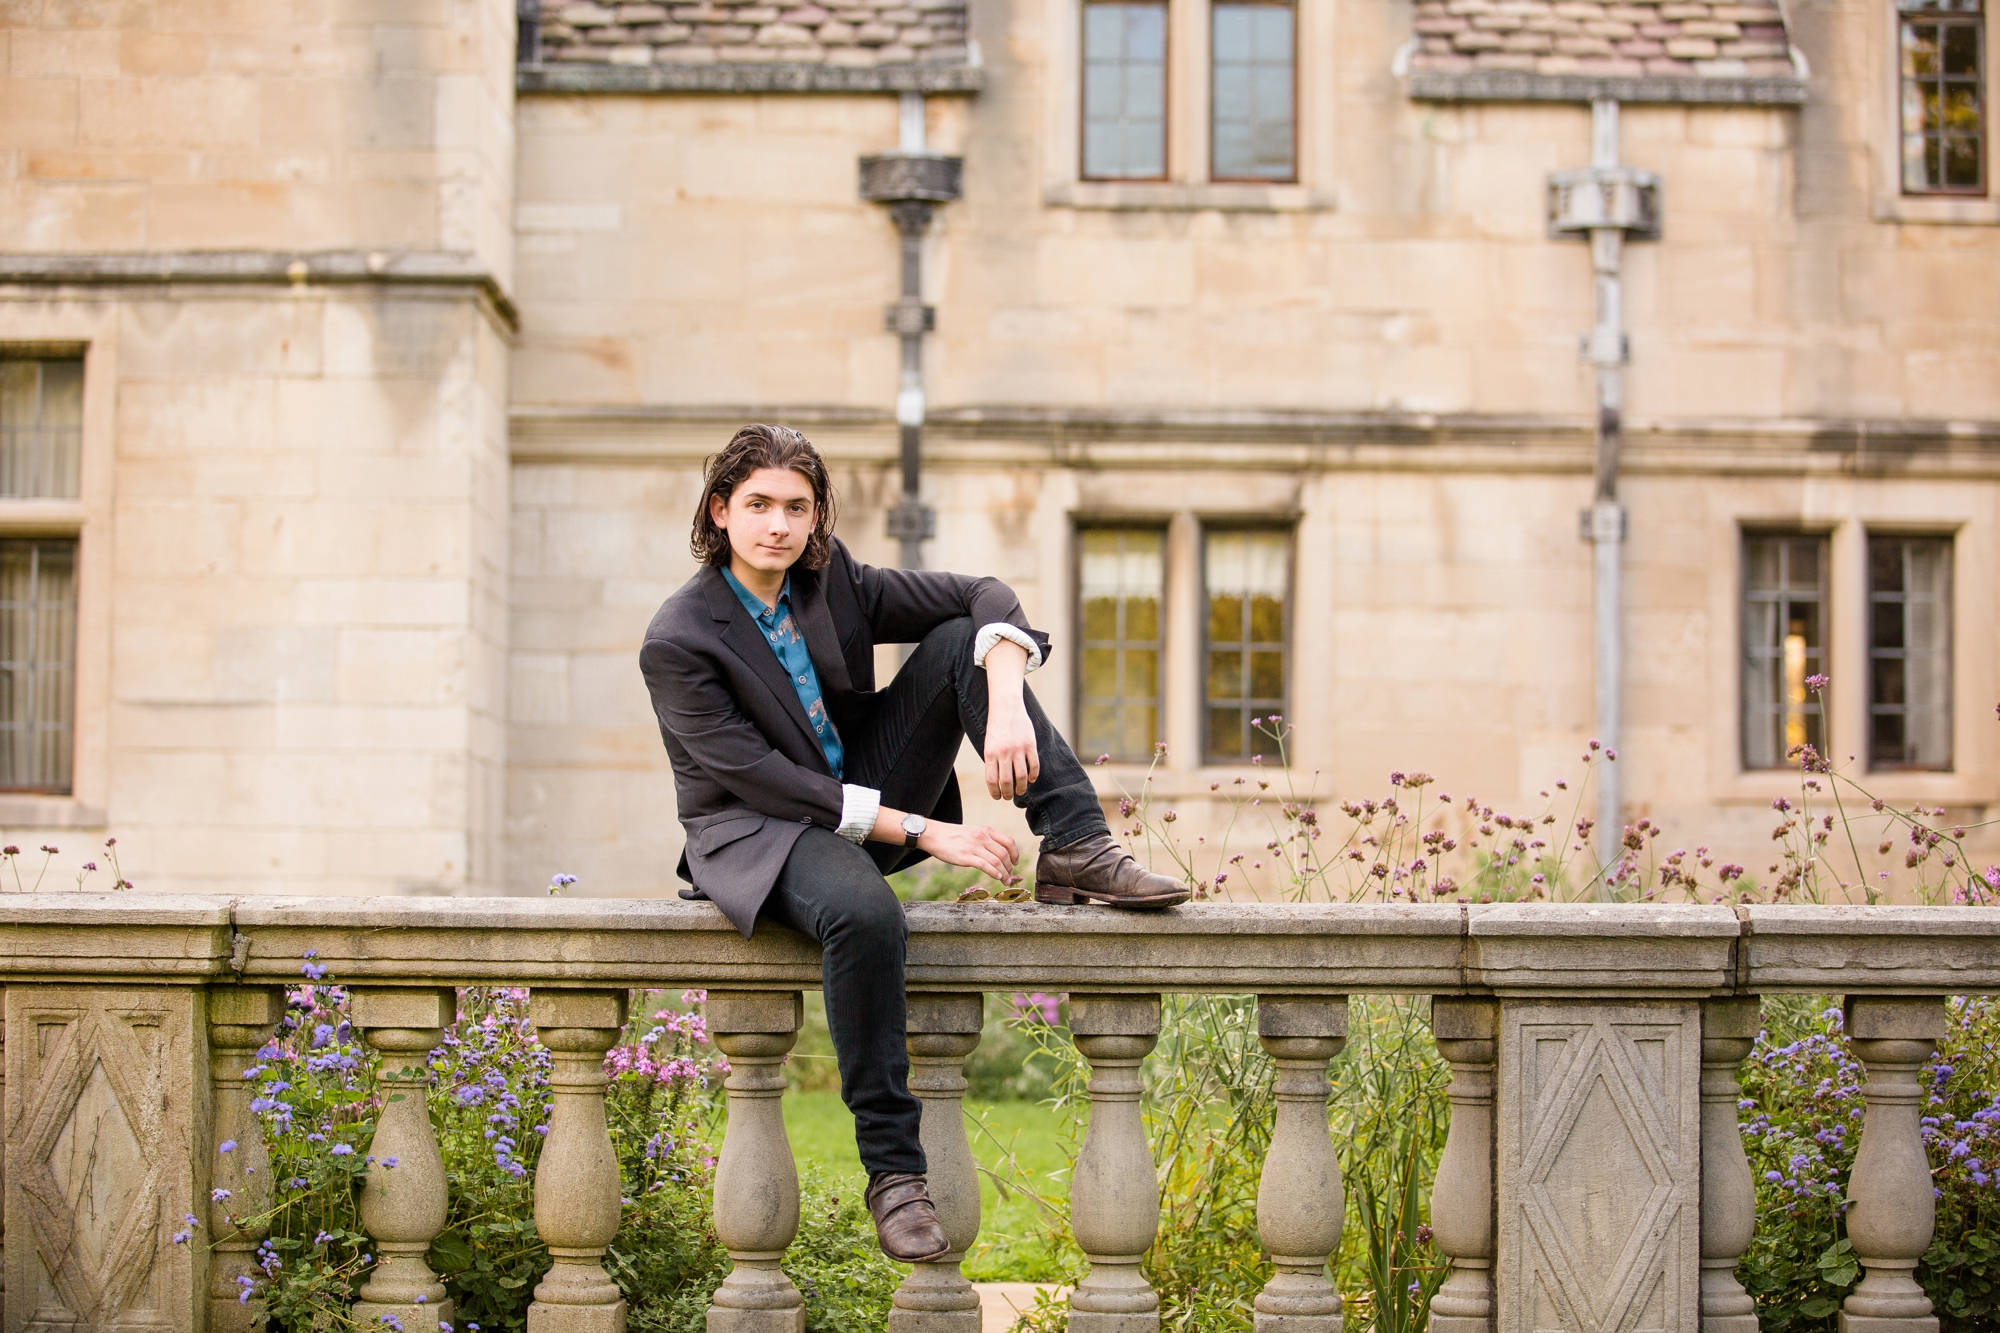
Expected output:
(1593, 1176)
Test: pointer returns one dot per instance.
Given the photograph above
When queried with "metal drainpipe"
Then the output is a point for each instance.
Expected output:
(1604, 202)
(912, 181)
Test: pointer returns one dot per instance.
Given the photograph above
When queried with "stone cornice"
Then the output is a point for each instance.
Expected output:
(382, 268)
(745, 77)
(1510, 86)
(1282, 440)
(1668, 951)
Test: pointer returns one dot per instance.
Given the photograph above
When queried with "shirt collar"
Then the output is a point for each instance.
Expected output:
(751, 602)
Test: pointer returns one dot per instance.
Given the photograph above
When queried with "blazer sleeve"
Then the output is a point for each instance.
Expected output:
(695, 708)
(903, 605)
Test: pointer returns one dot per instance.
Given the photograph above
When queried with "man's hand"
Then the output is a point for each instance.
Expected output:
(973, 845)
(1012, 761)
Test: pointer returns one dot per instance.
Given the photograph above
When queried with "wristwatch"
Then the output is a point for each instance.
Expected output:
(913, 828)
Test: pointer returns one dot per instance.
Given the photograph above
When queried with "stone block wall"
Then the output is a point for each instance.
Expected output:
(292, 666)
(219, 127)
(859, 34)
(282, 239)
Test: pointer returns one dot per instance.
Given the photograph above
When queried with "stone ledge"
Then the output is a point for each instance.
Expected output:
(1652, 951)
(1509, 86)
(410, 268)
(749, 78)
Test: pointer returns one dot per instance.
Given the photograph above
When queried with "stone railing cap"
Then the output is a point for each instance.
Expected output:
(1645, 920)
(1809, 919)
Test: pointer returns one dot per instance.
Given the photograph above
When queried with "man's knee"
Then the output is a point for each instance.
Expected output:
(870, 914)
(953, 636)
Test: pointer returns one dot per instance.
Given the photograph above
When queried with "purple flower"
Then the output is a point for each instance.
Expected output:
(227, 1145)
(1816, 683)
(342, 1150)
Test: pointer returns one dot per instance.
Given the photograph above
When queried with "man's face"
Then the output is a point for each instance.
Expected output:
(769, 518)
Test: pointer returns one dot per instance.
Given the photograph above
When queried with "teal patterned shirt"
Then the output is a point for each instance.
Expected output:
(781, 631)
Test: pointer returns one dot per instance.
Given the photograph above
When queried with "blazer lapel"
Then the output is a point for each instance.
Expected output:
(747, 641)
(822, 640)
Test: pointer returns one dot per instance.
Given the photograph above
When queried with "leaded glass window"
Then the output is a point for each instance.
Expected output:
(1943, 96)
(1120, 599)
(1253, 104)
(1784, 645)
(1909, 652)
(1124, 90)
(41, 427)
(1246, 580)
(37, 664)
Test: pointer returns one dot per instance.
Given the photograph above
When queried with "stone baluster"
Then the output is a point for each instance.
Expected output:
(1462, 1201)
(240, 1020)
(943, 1030)
(577, 1193)
(403, 1206)
(1114, 1201)
(756, 1182)
(1728, 1196)
(1299, 1201)
(1893, 1212)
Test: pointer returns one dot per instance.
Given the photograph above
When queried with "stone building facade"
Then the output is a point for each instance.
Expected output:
(387, 340)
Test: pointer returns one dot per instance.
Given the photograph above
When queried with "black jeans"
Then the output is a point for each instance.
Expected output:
(835, 892)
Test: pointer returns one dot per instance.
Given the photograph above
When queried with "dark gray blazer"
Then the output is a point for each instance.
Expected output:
(749, 775)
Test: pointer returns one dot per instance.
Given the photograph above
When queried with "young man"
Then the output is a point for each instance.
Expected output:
(801, 785)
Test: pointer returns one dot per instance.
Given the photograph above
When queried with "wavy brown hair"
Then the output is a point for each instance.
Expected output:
(749, 449)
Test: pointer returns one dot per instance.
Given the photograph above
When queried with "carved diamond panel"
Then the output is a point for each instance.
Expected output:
(1600, 1159)
(101, 1109)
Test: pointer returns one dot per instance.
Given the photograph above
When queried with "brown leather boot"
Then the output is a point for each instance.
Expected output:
(1098, 870)
(906, 1222)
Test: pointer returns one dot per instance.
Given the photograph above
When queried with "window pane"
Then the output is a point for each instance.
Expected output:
(1247, 578)
(1909, 652)
(1943, 58)
(37, 664)
(1251, 134)
(1142, 673)
(1784, 644)
(1100, 617)
(1225, 734)
(1124, 91)
(1225, 674)
(1141, 729)
(1120, 580)
(41, 427)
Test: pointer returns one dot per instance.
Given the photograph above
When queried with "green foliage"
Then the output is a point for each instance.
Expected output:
(1008, 1065)
(1390, 1115)
(835, 1263)
(1208, 1108)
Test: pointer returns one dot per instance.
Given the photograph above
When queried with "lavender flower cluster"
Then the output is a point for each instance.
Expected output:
(1804, 1112)
(316, 1098)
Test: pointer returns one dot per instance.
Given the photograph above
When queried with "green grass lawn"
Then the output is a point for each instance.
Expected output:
(1025, 1145)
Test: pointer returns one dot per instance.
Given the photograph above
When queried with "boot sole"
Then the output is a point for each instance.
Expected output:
(919, 1259)
(1061, 895)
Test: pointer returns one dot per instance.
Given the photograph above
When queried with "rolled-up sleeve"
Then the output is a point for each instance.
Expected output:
(858, 808)
(990, 635)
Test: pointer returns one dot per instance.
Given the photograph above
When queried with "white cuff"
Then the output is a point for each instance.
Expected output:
(992, 634)
(858, 808)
